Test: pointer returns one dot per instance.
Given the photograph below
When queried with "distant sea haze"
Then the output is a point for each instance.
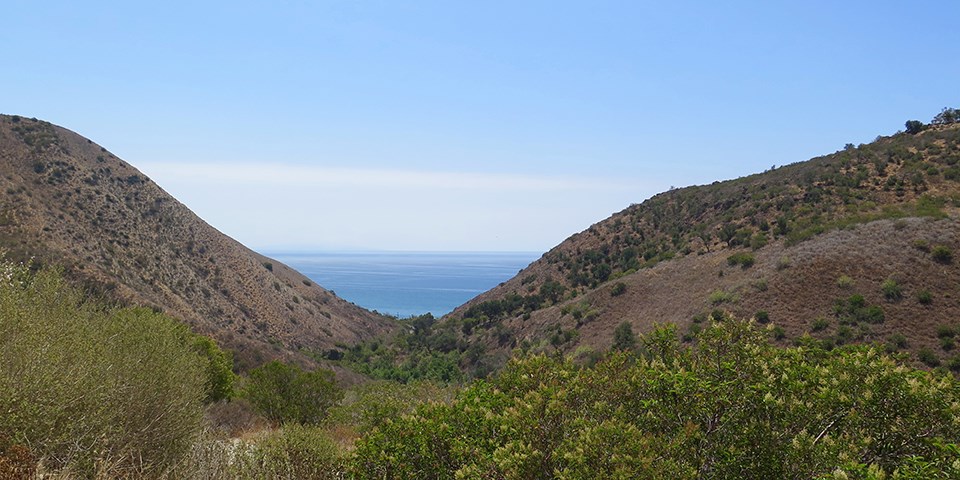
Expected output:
(408, 283)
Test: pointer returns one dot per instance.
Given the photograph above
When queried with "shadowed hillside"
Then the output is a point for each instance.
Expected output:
(67, 201)
(854, 246)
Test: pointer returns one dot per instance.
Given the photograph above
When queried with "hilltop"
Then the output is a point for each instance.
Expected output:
(855, 246)
(67, 201)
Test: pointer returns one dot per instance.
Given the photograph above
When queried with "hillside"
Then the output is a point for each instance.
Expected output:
(859, 245)
(68, 201)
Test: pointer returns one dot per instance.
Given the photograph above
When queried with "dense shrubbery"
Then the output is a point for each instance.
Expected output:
(93, 390)
(421, 352)
(287, 393)
(373, 404)
(732, 407)
(745, 260)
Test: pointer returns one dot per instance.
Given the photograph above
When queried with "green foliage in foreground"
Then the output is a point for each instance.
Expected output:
(91, 390)
(287, 393)
(368, 406)
(733, 406)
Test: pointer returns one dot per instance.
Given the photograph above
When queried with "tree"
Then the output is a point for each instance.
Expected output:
(623, 337)
(286, 393)
(914, 126)
(947, 116)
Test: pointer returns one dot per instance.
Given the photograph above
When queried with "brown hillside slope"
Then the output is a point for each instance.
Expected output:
(871, 213)
(65, 200)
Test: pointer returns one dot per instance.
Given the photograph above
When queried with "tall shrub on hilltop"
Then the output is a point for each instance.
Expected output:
(90, 390)
(734, 406)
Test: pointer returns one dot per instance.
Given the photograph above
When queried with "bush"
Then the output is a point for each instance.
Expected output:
(954, 363)
(286, 393)
(745, 260)
(618, 289)
(947, 116)
(845, 282)
(928, 357)
(924, 297)
(92, 389)
(291, 452)
(784, 263)
(898, 341)
(914, 126)
(219, 368)
(294, 451)
(820, 324)
(942, 254)
(946, 331)
(720, 296)
(800, 413)
(624, 338)
(778, 333)
(891, 289)
(371, 405)
(762, 316)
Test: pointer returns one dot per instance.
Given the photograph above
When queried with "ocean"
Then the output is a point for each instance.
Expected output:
(408, 283)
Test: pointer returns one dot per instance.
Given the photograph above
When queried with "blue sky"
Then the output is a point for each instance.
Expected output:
(399, 125)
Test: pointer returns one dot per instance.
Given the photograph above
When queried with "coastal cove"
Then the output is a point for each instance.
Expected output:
(404, 284)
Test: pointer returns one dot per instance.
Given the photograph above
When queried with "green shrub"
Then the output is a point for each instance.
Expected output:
(928, 357)
(294, 451)
(667, 414)
(942, 254)
(618, 289)
(891, 289)
(778, 333)
(720, 296)
(784, 263)
(845, 282)
(914, 126)
(624, 338)
(745, 260)
(820, 324)
(290, 452)
(286, 393)
(91, 389)
(954, 363)
(219, 368)
(762, 316)
(946, 331)
(872, 314)
(898, 341)
(924, 297)
(372, 404)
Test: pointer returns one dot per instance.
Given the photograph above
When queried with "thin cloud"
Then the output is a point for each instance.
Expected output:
(316, 176)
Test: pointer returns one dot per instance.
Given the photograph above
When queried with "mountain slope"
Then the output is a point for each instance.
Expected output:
(804, 239)
(67, 201)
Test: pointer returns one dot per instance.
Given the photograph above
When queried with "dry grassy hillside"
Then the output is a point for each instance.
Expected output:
(806, 240)
(65, 200)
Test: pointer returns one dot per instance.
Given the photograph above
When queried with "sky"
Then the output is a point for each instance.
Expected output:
(466, 126)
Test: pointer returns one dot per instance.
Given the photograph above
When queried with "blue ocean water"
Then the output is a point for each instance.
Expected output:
(408, 283)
